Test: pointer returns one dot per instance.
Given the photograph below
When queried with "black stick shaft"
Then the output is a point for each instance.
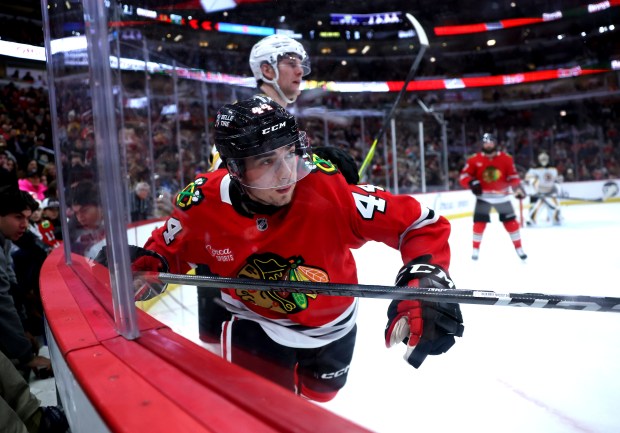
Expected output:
(412, 72)
(481, 297)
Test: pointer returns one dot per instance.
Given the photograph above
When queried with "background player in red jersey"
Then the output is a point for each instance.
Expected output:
(281, 213)
(491, 175)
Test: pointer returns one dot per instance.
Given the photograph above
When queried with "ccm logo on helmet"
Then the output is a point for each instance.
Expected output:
(274, 128)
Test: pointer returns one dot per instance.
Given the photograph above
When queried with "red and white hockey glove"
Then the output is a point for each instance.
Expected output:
(427, 328)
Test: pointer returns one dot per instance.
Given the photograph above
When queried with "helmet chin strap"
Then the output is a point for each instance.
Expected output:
(276, 86)
(284, 98)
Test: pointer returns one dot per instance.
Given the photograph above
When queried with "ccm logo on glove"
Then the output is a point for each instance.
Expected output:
(427, 328)
(416, 272)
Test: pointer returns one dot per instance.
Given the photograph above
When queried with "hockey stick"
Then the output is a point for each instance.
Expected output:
(482, 297)
(414, 68)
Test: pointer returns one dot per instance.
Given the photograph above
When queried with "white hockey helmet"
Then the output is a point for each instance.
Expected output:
(543, 159)
(270, 49)
(487, 137)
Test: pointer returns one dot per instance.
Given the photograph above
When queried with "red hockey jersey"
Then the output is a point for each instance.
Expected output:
(496, 173)
(46, 228)
(308, 240)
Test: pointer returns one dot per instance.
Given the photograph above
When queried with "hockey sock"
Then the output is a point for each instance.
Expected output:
(512, 227)
(478, 230)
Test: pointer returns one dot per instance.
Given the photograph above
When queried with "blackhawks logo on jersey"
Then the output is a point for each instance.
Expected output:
(191, 194)
(491, 174)
(273, 267)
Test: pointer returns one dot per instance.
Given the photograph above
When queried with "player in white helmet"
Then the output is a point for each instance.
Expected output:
(542, 181)
(278, 63)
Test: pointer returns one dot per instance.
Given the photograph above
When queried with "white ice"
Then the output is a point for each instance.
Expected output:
(515, 369)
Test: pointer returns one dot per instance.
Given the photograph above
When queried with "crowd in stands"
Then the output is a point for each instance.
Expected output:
(583, 145)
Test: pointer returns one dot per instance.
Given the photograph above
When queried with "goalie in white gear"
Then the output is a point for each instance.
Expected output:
(542, 183)
(278, 63)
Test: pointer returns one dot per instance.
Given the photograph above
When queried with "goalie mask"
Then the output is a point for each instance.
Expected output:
(261, 145)
(543, 159)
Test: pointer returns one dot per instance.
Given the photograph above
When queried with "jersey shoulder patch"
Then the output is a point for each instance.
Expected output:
(191, 195)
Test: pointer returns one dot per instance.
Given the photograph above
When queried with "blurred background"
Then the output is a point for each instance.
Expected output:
(540, 75)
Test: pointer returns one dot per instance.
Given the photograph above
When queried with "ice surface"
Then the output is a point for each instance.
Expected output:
(515, 369)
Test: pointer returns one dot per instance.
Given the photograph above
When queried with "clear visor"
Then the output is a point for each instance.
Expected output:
(278, 168)
(295, 61)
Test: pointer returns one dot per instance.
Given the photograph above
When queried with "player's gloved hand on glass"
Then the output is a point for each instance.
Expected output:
(427, 328)
(475, 186)
(142, 260)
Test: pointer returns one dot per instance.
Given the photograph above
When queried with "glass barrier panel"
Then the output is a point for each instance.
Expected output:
(136, 136)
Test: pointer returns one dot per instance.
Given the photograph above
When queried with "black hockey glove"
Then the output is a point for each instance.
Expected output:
(475, 186)
(427, 328)
(520, 193)
(341, 159)
(142, 260)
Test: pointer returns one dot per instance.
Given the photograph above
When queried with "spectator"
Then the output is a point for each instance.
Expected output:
(51, 213)
(20, 410)
(15, 209)
(10, 164)
(32, 184)
(141, 202)
(86, 224)
(49, 171)
(3, 158)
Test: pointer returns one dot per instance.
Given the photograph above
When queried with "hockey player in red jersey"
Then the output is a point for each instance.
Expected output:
(278, 212)
(278, 64)
(491, 175)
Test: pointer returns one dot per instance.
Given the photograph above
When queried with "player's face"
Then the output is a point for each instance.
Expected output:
(270, 178)
(14, 225)
(273, 169)
(274, 197)
(488, 146)
(290, 71)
